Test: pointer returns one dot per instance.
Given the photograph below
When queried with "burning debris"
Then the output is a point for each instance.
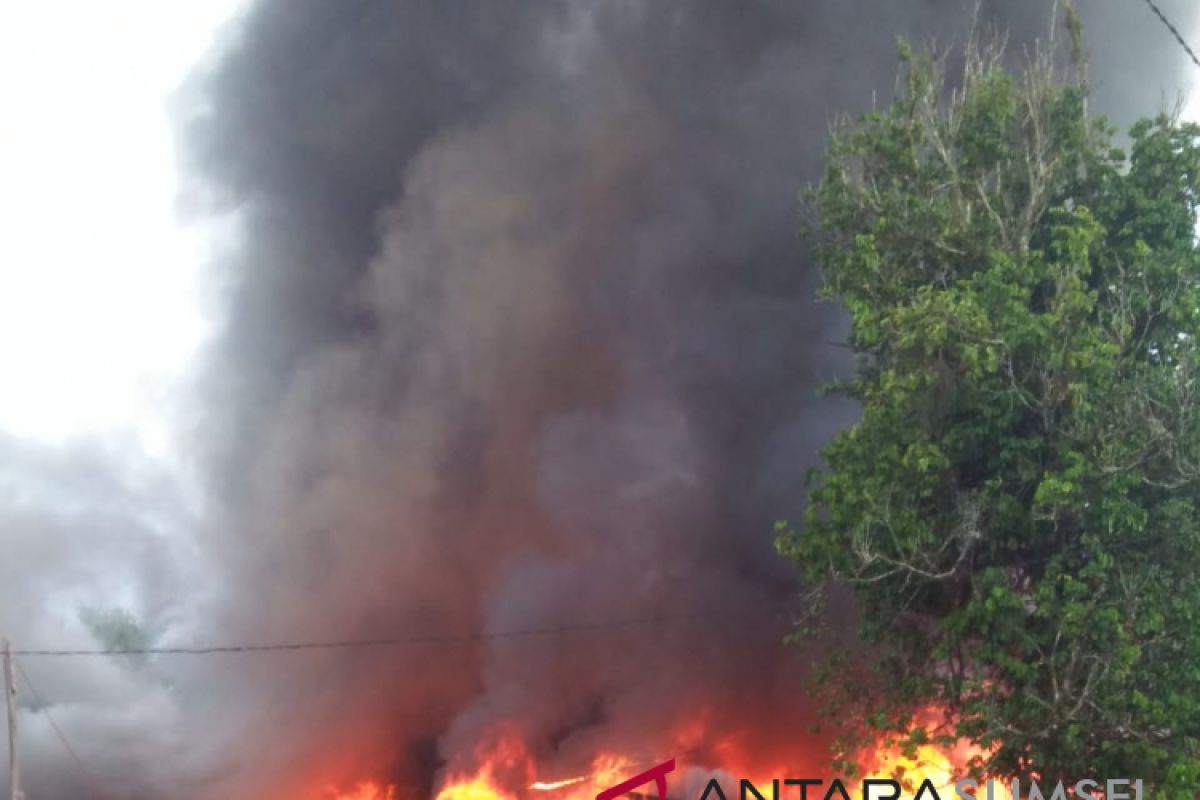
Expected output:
(502, 767)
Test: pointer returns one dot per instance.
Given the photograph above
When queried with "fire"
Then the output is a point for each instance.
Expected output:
(503, 760)
(928, 763)
(366, 790)
(942, 767)
(544, 786)
(504, 768)
(515, 760)
(479, 788)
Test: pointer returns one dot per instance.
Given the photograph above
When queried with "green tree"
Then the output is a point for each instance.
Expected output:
(117, 631)
(1016, 515)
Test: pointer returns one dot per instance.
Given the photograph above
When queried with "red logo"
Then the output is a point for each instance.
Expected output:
(657, 774)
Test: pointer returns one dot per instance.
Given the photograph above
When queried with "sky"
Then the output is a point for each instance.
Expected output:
(102, 309)
(112, 296)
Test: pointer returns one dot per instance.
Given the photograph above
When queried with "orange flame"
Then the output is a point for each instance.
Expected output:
(503, 768)
(479, 788)
(942, 767)
(607, 769)
(366, 790)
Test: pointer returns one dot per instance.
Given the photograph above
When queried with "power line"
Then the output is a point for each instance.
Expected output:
(84, 773)
(1174, 31)
(391, 641)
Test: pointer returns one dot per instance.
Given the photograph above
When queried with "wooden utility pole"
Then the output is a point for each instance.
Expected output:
(10, 699)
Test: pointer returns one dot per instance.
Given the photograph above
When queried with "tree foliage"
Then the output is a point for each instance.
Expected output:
(1017, 512)
(117, 631)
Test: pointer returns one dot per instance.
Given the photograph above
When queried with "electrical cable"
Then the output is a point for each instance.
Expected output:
(1174, 31)
(389, 641)
(84, 773)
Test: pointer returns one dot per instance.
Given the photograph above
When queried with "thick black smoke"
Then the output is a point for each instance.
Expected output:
(519, 334)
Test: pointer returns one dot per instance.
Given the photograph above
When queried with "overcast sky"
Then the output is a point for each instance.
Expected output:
(101, 304)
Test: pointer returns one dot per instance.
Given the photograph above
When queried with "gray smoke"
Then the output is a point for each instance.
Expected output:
(519, 334)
